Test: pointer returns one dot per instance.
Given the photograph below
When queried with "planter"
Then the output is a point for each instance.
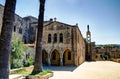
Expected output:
(39, 77)
(12, 71)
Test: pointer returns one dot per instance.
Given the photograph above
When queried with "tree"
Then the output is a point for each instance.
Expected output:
(38, 52)
(17, 48)
(18, 51)
(5, 37)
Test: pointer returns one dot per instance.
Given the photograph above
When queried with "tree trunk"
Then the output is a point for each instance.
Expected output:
(38, 52)
(5, 38)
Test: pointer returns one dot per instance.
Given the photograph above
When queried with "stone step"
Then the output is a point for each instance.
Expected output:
(16, 76)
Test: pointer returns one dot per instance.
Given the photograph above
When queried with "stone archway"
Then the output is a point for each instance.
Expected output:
(68, 58)
(55, 58)
(44, 57)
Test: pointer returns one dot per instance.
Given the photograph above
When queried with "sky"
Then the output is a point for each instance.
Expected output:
(103, 16)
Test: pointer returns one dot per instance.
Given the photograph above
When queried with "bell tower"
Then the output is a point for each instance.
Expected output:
(88, 35)
(88, 45)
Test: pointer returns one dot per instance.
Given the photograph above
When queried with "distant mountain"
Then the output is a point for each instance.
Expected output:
(108, 44)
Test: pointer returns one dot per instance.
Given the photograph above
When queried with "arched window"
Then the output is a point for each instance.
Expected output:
(55, 38)
(69, 55)
(61, 37)
(49, 38)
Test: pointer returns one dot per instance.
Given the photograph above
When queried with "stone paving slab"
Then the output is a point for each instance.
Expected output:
(14, 76)
(91, 70)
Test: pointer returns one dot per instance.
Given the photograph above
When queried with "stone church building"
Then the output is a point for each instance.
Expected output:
(63, 44)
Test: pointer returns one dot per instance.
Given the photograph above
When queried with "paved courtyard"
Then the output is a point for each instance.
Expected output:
(88, 70)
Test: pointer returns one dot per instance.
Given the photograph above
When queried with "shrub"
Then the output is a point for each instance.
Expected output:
(16, 64)
(28, 62)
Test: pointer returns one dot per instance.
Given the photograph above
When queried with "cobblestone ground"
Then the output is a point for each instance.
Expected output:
(89, 70)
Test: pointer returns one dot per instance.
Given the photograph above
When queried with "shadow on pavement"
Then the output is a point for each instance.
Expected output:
(60, 68)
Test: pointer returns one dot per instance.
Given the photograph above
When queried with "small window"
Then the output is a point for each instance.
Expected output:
(61, 37)
(14, 28)
(49, 38)
(69, 56)
(55, 38)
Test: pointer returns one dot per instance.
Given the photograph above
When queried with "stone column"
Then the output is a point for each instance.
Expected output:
(49, 63)
(61, 59)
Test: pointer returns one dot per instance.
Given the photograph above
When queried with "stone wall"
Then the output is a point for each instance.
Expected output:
(18, 23)
(80, 47)
(106, 53)
(30, 24)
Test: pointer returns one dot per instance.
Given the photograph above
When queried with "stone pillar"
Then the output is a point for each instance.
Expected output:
(49, 63)
(61, 59)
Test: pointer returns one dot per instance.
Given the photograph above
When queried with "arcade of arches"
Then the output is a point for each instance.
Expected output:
(55, 58)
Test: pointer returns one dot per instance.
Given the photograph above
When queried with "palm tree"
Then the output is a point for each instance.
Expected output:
(5, 38)
(38, 52)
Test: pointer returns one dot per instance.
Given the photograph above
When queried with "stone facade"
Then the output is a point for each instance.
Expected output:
(18, 23)
(63, 44)
(30, 24)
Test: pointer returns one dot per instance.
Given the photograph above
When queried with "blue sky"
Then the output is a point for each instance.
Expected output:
(103, 16)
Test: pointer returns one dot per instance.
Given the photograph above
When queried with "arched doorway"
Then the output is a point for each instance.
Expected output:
(68, 58)
(44, 57)
(55, 58)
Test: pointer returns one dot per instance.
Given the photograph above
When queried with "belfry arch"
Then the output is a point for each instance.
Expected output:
(55, 58)
(44, 57)
(68, 58)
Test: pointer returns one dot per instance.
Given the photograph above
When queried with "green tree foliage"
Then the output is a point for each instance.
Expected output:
(18, 52)
(29, 61)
